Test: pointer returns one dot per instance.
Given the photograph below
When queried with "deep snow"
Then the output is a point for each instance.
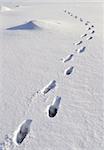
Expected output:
(30, 59)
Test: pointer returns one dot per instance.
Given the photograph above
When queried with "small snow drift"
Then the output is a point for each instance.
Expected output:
(27, 26)
(4, 8)
(83, 35)
(48, 87)
(53, 109)
(78, 43)
(81, 49)
(69, 57)
(69, 70)
(89, 38)
(22, 131)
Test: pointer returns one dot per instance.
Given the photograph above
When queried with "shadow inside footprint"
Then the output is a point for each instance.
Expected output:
(92, 32)
(78, 43)
(75, 17)
(84, 35)
(69, 57)
(86, 24)
(48, 87)
(68, 71)
(81, 49)
(89, 38)
(22, 131)
(81, 20)
(92, 26)
(89, 28)
(53, 109)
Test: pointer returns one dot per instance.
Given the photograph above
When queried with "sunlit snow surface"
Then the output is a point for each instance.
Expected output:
(35, 41)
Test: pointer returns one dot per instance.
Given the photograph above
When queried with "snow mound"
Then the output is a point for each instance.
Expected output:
(4, 8)
(26, 26)
(42, 24)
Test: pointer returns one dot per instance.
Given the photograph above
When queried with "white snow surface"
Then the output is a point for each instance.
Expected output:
(30, 57)
(4, 8)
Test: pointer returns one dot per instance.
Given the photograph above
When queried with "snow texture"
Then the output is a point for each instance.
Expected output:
(33, 38)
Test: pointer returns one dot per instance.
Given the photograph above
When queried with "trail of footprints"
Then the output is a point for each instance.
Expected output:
(52, 110)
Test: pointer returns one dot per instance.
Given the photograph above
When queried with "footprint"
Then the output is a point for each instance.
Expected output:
(92, 32)
(89, 28)
(50, 86)
(17, 5)
(68, 12)
(22, 131)
(81, 49)
(86, 24)
(65, 11)
(75, 17)
(87, 21)
(71, 14)
(69, 70)
(81, 19)
(78, 43)
(89, 38)
(69, 57)
(83, 35)
(92, 26)
(53, 109)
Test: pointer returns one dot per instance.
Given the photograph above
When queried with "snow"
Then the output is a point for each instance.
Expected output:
(4, 8)
(39, 35)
